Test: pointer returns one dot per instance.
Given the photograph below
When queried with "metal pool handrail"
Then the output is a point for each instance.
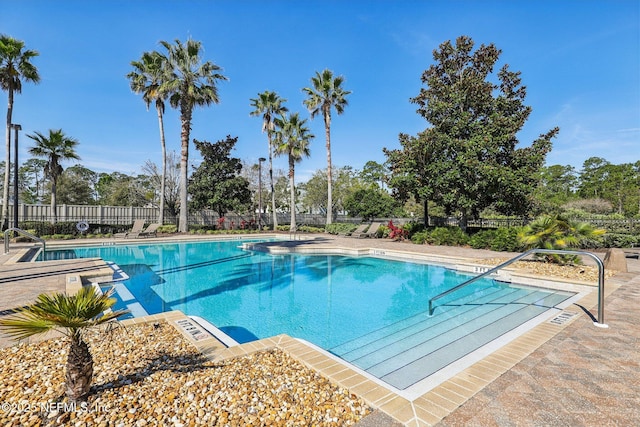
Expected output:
(599, 323)
(24, 233)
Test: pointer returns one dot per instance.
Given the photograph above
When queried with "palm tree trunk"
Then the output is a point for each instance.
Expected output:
(292, 186)
(327, 131)
(7, 167)
(164, 167)
(79, 370)
(273, 193)
(54, 200)
(185, 119)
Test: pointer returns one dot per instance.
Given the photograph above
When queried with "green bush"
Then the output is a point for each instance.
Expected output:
(611, 240)
(420, 237)
(448, 236)
(168, 228)
(413, 228)
(482, 239)
(340, 228)
(506, 240)
(311, 229)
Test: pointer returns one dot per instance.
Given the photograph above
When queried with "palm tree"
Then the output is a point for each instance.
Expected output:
(326, 93)
(269, 104)
(55, 148)
(146, 78)
(292, 138)
(189, 83)
(72, 315)
(557, 232)
(15, 66)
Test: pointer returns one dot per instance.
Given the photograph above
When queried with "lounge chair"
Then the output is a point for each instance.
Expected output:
(151, 230)
(360, 232)
(360, 229)
(136, 229)
(373, 230)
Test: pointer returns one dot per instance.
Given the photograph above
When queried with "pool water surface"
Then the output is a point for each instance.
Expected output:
(355, 307)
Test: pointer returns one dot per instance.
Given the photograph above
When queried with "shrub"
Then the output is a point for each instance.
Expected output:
(448, 236)
(557, 232)
(482, 239)
(340, 228)
(413, 228)
(311, 229)
(590, 206)
(168, 228)
(506, 240)
(612, 240)
(420, 237)
(396, 233)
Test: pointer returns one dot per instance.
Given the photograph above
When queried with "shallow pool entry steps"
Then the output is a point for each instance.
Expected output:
(405, 353)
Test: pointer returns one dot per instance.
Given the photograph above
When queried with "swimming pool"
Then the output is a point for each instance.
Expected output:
(369, 311)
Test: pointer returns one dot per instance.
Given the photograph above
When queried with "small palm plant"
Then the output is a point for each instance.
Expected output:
(72, 315)
(557, 232)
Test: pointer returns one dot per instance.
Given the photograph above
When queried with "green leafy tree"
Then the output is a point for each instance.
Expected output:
(592, 178)
(15, 67)
(374, 173)
(293, 139)
(73, 315)
(33, 178)
(557, 186)
(147, 78)
(619, 184)
(469, 152)
(76, 186)
(217, 183)
(370, 203)
(54, 148)
(119, 189)
(621, 188)
(326, 93)
(315, 197)
(269, 105)
(556, 232)
(190, 83)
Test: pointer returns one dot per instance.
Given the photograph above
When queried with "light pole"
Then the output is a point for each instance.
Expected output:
(16, 128)
(260, 160)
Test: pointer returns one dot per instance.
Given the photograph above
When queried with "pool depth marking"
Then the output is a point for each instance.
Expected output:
(192, 329)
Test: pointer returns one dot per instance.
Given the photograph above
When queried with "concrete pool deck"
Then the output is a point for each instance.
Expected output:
(555, 374)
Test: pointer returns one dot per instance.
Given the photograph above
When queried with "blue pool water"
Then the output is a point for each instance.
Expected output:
(357, 307)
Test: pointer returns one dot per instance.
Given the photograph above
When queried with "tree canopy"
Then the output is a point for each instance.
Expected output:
(467, 160)
(216, 184)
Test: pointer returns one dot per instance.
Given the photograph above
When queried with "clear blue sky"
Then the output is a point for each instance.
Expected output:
(580, 61)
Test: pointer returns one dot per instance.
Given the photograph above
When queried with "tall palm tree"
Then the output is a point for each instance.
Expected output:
(292, 138)
(15, 66)
(326, 93)
(72, 315)
(269, 104)
(54, 148)
(189, 83)
(147, 78)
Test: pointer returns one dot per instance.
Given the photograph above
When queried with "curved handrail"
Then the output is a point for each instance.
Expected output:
(600, 321)
(24, 233)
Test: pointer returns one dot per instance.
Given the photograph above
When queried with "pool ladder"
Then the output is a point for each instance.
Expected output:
(24, 233)
(600, 323)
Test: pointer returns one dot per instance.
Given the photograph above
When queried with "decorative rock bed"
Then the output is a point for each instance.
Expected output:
(150, 375)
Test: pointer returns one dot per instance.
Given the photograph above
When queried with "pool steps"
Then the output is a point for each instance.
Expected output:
(411, 350)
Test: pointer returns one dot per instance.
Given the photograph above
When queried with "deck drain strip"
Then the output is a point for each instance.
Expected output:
(563, 318)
